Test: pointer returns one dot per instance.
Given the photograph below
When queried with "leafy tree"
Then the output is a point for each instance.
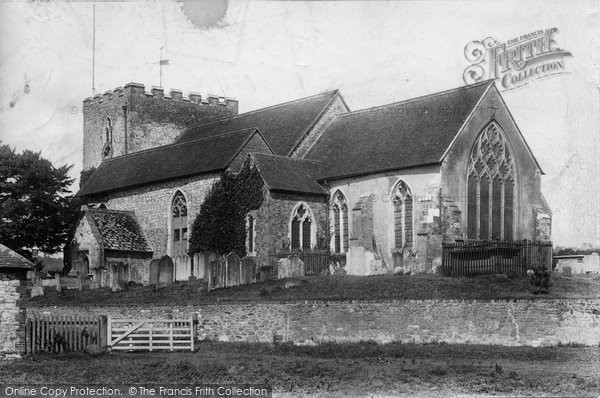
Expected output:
(35, 205)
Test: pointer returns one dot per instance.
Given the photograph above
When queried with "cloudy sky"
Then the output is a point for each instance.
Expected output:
(263, 53)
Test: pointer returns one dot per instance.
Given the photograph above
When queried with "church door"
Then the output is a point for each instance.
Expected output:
(179, 226)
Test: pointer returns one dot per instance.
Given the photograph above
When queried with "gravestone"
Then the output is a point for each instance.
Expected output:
(161, 272)
(283, 268)
(567, 271)
(296, 266)
(233, 269)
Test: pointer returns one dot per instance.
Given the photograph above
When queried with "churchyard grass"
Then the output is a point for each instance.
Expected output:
(382, 287)
(335, 370)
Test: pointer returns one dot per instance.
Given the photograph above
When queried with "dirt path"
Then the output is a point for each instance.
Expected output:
(333, 370)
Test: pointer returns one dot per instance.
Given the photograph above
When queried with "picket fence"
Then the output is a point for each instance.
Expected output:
(57, 334)
(64, 333)
(470, 258)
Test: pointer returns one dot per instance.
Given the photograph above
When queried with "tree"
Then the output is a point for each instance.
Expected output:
(36, 207)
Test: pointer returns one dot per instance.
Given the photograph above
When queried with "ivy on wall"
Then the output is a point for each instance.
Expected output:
(221, 223)
(85, 175)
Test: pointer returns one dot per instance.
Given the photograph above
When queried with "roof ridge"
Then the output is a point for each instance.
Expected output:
(263, 109)
(129, 155)
(286, 157)
(406, 101)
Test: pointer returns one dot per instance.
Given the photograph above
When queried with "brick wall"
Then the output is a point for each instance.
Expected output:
(12, 314)
(502, 322)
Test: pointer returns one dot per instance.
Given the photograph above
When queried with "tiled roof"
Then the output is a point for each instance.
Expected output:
(200, 156)
(11, 259)
(283, 174)
(283, 126)
(395, 136)
(117, 230)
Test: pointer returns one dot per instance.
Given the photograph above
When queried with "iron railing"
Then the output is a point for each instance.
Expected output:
(469, 258)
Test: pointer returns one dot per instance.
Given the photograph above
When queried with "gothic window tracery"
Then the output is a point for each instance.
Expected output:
(491, 179)
(301, 227)
(403, 216)
(340, 223)
(179, 225)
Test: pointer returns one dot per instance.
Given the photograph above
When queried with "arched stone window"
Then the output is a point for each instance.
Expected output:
(340, 223)
(250, 234)
(179, 225)
(302, 230)
(490, 187)
(107, 148)
(403, 216)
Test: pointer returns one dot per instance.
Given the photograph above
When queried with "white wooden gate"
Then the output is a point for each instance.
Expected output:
(151, 334)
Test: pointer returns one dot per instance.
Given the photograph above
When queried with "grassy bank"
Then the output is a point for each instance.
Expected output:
(382, 287)
(336, 369)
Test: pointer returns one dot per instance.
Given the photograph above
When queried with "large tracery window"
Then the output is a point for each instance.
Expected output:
(179, 225)
(403, 216)
(340, 223)
(301, 228)
(490, 187)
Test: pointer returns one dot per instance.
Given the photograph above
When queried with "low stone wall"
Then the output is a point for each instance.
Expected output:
(12, 314)
(504, 322)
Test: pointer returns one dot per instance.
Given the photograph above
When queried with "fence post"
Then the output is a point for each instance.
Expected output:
(57, 278)
(108, 332)
(102, 331)
(194, 331)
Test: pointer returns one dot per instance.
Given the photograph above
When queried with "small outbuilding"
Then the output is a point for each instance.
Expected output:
(578, 263)
(13, 287)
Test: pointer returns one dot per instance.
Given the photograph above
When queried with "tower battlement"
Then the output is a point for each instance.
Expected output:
(159, 93)
(128, 119)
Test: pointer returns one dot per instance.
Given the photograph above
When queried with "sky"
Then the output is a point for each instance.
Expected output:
(264, 53)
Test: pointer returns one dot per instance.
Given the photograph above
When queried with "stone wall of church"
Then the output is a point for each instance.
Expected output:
(152, 206)
(371, 217)
(147, 119)
(528, 177)
(272, 221)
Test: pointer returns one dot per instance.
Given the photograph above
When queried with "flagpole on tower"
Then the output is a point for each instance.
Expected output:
(94, 49)
(160, 64)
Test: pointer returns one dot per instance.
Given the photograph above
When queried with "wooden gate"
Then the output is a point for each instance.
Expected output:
(151, 334)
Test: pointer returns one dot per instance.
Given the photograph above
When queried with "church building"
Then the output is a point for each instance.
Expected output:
(385, 185)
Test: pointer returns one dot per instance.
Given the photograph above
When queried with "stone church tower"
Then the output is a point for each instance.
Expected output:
(129, 119)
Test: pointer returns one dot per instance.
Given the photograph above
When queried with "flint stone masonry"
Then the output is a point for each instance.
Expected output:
(535, 322)
(12, 314)
(152, 206)
(149, 119)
